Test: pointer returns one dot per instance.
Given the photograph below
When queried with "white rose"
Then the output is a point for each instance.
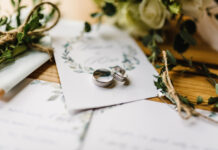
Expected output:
(194, 8)
(153, 13)
(128, 18)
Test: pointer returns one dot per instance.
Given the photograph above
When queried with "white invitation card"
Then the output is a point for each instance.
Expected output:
(148, 125)
(33, 117)
(105, 47)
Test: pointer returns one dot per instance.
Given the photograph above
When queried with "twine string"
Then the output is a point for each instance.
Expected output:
(184, 111)
(10, 36)
(45, 28)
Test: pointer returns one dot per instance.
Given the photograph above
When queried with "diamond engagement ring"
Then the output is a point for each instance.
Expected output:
(119, 74)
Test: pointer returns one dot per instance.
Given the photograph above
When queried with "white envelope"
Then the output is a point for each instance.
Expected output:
(104, 47)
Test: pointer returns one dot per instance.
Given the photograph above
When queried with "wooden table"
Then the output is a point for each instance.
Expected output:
(186, 84)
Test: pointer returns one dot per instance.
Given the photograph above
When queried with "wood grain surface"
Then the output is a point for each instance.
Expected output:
(188, 83)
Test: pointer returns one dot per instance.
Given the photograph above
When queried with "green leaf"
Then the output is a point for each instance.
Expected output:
(179, 44)
(216, 105)
(186, 101)
(147, 39)
(6, 56)
(171, 58)
(158, 66)
(53, 97)
(212, 100)
(175, 8)
(160, 84)
(87, 27)
(189, 25)
(18, 17)
(205, 69)
(34, 23)
(158, 38)
(19, 49)
(36, 1)
(199, 100)
(19, 1)
(13, 3)
(20, 37)
(216, 86)
(187, 37)
(3, 21)
(170, 67)
(109, 9)
(50, 15)
(96, 15)
(8, 26)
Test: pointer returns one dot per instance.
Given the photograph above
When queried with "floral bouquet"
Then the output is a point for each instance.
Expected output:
(155, 21)
(150, 19)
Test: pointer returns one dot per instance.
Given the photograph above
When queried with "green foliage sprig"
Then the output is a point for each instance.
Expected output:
(185, 108)
(27, 34)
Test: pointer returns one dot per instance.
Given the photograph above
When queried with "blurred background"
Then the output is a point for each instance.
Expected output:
(71, 9)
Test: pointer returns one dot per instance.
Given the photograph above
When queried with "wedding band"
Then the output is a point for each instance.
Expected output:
(119, 77)
(119, 74)
(118, 69)
(103, 77)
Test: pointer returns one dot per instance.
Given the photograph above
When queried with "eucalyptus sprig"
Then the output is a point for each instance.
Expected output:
(27, 35)
(108, 9)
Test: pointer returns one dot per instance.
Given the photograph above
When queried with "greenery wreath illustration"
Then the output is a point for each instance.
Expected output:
(129, 61)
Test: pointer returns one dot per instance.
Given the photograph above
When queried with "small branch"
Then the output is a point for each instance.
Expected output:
(45, 28)
(11, 35)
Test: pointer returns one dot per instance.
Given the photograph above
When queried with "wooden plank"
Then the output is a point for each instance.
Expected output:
(47, 72)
